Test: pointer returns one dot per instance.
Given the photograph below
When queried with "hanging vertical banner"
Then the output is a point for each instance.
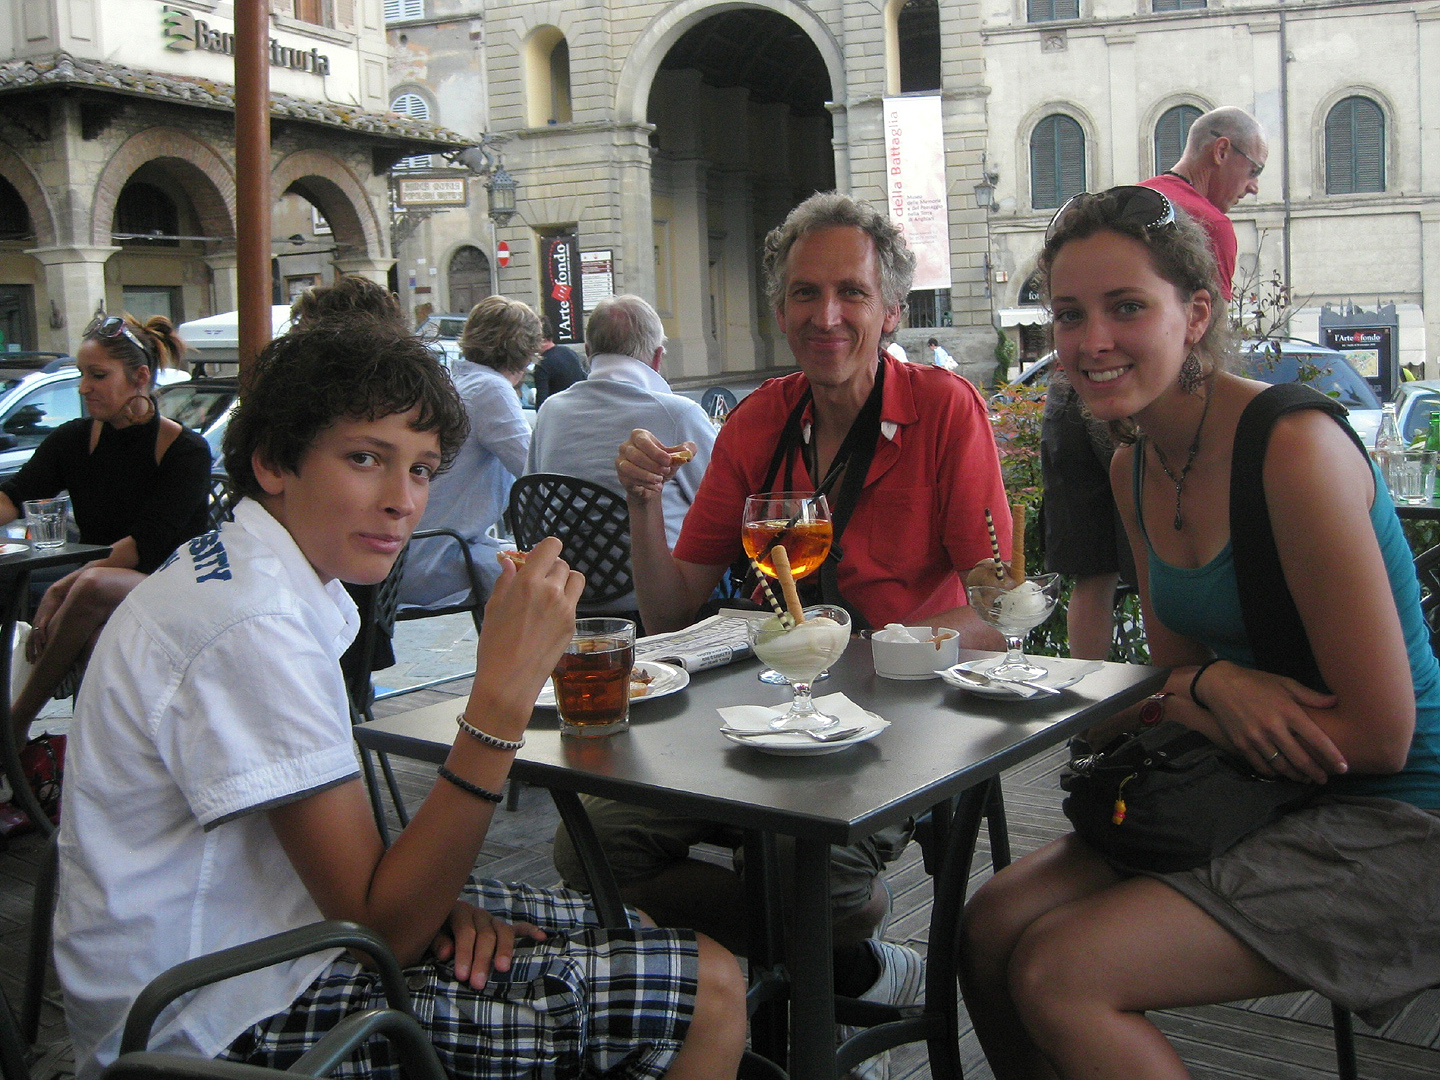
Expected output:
(560, 287)
(915, 176)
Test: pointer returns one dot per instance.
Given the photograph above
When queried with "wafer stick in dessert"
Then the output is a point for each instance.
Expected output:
(1017, 542)
(995, 546)
(780, 558)
(775, 605)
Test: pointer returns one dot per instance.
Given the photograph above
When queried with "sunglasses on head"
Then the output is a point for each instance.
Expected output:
(1130, 205)
(112, 327)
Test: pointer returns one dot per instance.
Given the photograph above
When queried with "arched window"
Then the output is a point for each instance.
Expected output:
(1057, 161)
(1354, 147)
(918, 31)
(417, 108)
(143, 210)
(14, 214)
(1050, 10)
(1171, 133)
(547, 77)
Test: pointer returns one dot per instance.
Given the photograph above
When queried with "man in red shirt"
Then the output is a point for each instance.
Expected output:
(1224, 157)
(923, 469)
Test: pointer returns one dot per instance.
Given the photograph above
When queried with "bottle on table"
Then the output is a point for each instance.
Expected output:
(1389, 446)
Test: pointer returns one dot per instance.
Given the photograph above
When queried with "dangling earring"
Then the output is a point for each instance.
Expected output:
(1192, 375)
(144, 415)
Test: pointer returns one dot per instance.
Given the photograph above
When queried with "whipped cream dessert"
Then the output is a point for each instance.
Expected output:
(803, 651)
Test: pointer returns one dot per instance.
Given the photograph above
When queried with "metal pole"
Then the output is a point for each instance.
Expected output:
(252, 175)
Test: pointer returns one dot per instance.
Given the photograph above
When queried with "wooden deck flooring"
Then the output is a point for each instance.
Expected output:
(1285, 1038)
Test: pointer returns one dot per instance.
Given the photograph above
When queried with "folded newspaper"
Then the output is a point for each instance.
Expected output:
(712, 642)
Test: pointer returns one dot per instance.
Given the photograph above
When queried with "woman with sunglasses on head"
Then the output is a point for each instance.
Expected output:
(138, 482)
(1063, 952)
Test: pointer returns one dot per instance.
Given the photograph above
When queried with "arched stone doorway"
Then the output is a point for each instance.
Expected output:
(469, 279)
(742, 134)
(19, 272)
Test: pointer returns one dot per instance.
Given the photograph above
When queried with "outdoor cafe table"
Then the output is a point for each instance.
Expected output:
(941, 742)
(15, 571)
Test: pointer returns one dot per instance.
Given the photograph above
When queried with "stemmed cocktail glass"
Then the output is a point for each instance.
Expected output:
(799, 522)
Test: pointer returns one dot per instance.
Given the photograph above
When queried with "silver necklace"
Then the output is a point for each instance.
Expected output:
(1179, 481)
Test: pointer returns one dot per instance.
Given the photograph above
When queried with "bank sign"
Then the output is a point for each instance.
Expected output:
(185, 33)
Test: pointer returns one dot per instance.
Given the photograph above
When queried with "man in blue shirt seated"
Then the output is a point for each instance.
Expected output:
(579, 432)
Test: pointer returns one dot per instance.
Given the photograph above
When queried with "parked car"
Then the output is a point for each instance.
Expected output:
(1414, 403)
(39, 391)
(442, 333)
(1281, 360)
(203, 405)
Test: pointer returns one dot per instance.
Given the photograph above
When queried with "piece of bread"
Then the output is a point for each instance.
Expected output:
(516, 557)
(681, 456)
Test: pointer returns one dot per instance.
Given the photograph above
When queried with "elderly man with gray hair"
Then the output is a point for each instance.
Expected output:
(578, 429)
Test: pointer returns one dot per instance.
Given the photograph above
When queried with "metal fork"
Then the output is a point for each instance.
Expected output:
(818, 736)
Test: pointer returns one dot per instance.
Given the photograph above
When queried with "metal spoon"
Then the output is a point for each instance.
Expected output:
(980, 678)
(818, 736)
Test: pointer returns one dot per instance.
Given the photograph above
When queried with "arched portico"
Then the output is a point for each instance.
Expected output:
(328, 182)
(197, 167)
(42, 215)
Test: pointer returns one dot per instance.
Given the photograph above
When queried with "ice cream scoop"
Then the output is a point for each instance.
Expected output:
(803, 651)
(1023, 604)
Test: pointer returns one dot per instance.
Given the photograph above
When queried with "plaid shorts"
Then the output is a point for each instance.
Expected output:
(586, 1001)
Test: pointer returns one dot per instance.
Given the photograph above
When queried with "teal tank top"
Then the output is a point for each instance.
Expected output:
(1204, 604)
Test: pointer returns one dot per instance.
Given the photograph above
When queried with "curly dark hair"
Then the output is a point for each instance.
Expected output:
(307, 380)
(351, 295)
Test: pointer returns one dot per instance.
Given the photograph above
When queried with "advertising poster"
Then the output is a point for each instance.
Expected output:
(1369, 350)
(560, 287)
(915, 182)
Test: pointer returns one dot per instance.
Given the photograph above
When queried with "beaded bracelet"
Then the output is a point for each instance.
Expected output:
(486, 738)
(466, 785)
(1195, 680)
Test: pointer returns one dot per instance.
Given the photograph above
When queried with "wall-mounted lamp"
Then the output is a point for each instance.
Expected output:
(501, 187)
(985, 189)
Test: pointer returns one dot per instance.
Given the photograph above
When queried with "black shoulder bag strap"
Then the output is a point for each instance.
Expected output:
(1272, 622)
(856, 453)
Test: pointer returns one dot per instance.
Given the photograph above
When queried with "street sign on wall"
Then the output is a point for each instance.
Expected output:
(915, 181)
(502, 253)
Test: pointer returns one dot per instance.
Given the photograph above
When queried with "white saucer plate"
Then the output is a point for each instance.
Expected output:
(1059, 675)
(793, 744)
(13, 549)
(665, 679)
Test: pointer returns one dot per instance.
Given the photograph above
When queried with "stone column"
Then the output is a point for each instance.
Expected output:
(75, 280)
(690, 234)
(377, 270)
(224, 283)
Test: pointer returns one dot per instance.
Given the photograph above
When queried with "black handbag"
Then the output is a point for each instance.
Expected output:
(1168, 798)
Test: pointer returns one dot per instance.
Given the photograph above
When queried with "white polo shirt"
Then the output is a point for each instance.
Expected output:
(214, 692)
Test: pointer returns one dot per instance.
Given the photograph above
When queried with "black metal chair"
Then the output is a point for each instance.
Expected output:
(18, 1035)
(592, 524)
(398, 1022)
(1427, 569)
(474, 605)
(223, 497)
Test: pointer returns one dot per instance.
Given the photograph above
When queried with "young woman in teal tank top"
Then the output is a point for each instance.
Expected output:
(1064, 954)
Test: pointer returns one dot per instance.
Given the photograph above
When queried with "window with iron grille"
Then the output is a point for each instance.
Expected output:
(1057, 161)
(1354, 147)
(1050, 10)
(1171, 133)
(404, 9)
(417, 108)
(928, 308)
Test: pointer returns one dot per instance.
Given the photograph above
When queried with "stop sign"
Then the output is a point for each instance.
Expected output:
(502, 253)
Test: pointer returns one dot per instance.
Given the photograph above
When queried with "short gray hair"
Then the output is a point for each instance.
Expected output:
(625, 325)
(1226, 122)
(501, 333)
(829, 209)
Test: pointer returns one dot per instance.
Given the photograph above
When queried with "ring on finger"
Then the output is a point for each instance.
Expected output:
(1273, 756)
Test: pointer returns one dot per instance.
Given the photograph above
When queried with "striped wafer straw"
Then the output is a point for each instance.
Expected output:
(995, 546)
(770, 599)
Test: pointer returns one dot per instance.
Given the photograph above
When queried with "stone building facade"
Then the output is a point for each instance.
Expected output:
(117, 159)
(673, 136)
(1349, 94)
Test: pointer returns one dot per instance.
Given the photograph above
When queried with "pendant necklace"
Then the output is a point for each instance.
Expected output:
(1179, 481)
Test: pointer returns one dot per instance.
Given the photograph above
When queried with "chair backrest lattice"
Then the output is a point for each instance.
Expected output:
(591, 523)
(223, 498)
(1427, 569)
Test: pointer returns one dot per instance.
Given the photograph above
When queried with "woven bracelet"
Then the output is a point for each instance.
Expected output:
(486, 738)
(466, 785)
(1195, 681)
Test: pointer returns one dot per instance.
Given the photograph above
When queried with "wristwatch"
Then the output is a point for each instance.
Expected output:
(1153, 711)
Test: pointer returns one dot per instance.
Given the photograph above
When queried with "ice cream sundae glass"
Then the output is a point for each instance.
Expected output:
(1015, 608)
(800, 651)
